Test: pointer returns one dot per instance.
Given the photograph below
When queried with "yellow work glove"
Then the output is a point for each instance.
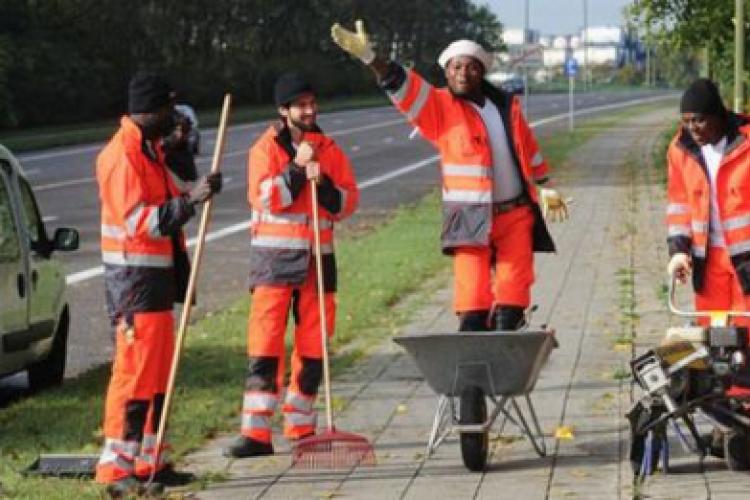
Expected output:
(357, 44)
(554, 207)
(679, 266)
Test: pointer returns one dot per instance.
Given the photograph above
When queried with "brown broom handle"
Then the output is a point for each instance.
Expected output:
(187, 306)
(321, 304)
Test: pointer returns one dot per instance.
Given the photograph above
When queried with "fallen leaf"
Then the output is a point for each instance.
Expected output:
(564, 433)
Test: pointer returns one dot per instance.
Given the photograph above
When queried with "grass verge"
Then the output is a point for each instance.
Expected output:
(378, 270)
(68, 135)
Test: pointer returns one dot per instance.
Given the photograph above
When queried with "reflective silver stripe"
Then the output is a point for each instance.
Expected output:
(280, 242)
(131, 259)
(678, 209)
(699, 252)
(266, 190)
(736, 222)
(537, 160)
(131, 221)
(678, 230)
(467, 170)
(398, 95)
(738, 248)
(294, 418)
(298, 402)
(152, 222)
(115, 232)
(255, 421)
(148, 451)
(120, 453)
(259, 401)
(698, 226)
(413, 112)
(265, 216)
(325, 224)
(467, 196)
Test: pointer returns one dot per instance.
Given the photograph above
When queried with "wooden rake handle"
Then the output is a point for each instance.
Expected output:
(192, 282)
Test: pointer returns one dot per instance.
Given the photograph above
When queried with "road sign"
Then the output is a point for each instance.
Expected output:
(571, 66)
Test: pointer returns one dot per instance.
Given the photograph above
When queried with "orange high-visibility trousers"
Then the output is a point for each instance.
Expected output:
(511, 249)
(722, 292)
(140, 370)
(266, 352)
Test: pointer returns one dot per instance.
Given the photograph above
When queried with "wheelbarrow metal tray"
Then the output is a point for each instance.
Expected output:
(502, 363)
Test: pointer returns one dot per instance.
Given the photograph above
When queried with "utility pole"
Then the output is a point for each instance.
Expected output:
(525, 61)
(739, 55)
(586, 79)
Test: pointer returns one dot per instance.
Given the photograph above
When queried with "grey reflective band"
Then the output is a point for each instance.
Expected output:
(398, 95)
(419, 102)
(537, 160)
(259, 401)
(136, 259)
(678, 209)
(280, 242)
(131, 221)
(454, 169)
(467, 196)
(678, 230)
(114, 232)
(736, 222)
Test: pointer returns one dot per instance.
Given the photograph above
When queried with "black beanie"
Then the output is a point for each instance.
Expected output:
(703, 97)
(289, 87)
(148, 92)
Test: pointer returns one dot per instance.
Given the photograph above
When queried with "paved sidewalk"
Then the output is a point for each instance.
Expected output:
(602, 287)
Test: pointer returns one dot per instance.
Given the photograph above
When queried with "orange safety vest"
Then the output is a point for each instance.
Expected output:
(281, 226)
(138, 260)
(688, 193)
(457, 130)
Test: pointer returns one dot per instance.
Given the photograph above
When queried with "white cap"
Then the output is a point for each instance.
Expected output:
(466, 48)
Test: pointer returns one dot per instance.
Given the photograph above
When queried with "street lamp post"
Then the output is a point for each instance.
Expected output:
(585, 44)
(525, 62)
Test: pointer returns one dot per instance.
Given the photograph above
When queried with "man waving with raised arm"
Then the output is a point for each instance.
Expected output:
(491, 165)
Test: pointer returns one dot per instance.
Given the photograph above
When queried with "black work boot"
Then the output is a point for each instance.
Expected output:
(244, 447)
(168, 476)
(509, 318)
(474, 321)
(129, 487)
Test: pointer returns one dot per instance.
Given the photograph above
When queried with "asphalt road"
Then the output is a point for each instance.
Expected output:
(391, 167)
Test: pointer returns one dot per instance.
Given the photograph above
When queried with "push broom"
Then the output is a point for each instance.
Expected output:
(192, 282)
(330, 449)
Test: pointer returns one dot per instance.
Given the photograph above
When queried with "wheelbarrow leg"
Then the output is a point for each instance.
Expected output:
(439, 423)
(535, 436)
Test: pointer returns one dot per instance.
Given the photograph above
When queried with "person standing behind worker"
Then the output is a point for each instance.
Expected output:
(284, 159)
(490, 166)
(141, 237)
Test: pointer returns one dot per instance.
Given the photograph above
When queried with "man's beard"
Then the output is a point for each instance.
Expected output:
(303, 126)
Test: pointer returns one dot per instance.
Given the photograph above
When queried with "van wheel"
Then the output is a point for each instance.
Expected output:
(50, 371)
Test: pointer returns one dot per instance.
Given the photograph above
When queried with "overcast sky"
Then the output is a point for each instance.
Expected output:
(553, 17)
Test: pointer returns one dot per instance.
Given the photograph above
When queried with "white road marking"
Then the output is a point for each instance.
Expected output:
(388, 140)
(93, 272)
(355, 148)
(50, 218)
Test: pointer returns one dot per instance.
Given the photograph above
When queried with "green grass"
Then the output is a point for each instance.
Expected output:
(67, 135)
(378, 270)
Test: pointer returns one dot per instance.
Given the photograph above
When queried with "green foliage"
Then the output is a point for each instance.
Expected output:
(70, 60)
(685, 27)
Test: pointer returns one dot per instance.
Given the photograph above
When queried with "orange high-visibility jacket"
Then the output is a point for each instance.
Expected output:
(458, 132)
(142, 216)
(688, 192)
(279, 194)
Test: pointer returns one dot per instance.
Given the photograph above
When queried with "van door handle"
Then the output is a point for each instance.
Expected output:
(34, 278)
(21, 284)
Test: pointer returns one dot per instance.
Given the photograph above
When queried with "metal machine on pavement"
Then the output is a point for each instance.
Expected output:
(468, 369)
(689, 374)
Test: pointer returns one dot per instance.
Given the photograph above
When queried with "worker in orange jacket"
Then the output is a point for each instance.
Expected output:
(491, 165)
(282, 161)
(144, 260)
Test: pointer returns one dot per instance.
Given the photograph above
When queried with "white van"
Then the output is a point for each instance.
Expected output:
(34, 315)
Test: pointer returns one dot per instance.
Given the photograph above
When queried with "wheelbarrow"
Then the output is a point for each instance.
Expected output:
(472, 368)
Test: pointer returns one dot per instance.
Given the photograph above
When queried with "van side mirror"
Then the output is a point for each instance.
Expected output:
(65, 239)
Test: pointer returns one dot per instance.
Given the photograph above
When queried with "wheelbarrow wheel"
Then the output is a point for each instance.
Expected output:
(474, 445)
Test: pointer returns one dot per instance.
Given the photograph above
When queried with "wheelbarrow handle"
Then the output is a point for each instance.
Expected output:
(674, 309)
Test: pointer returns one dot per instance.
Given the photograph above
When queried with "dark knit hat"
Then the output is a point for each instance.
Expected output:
(148, 92)
(703, 97)
(289, 87)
